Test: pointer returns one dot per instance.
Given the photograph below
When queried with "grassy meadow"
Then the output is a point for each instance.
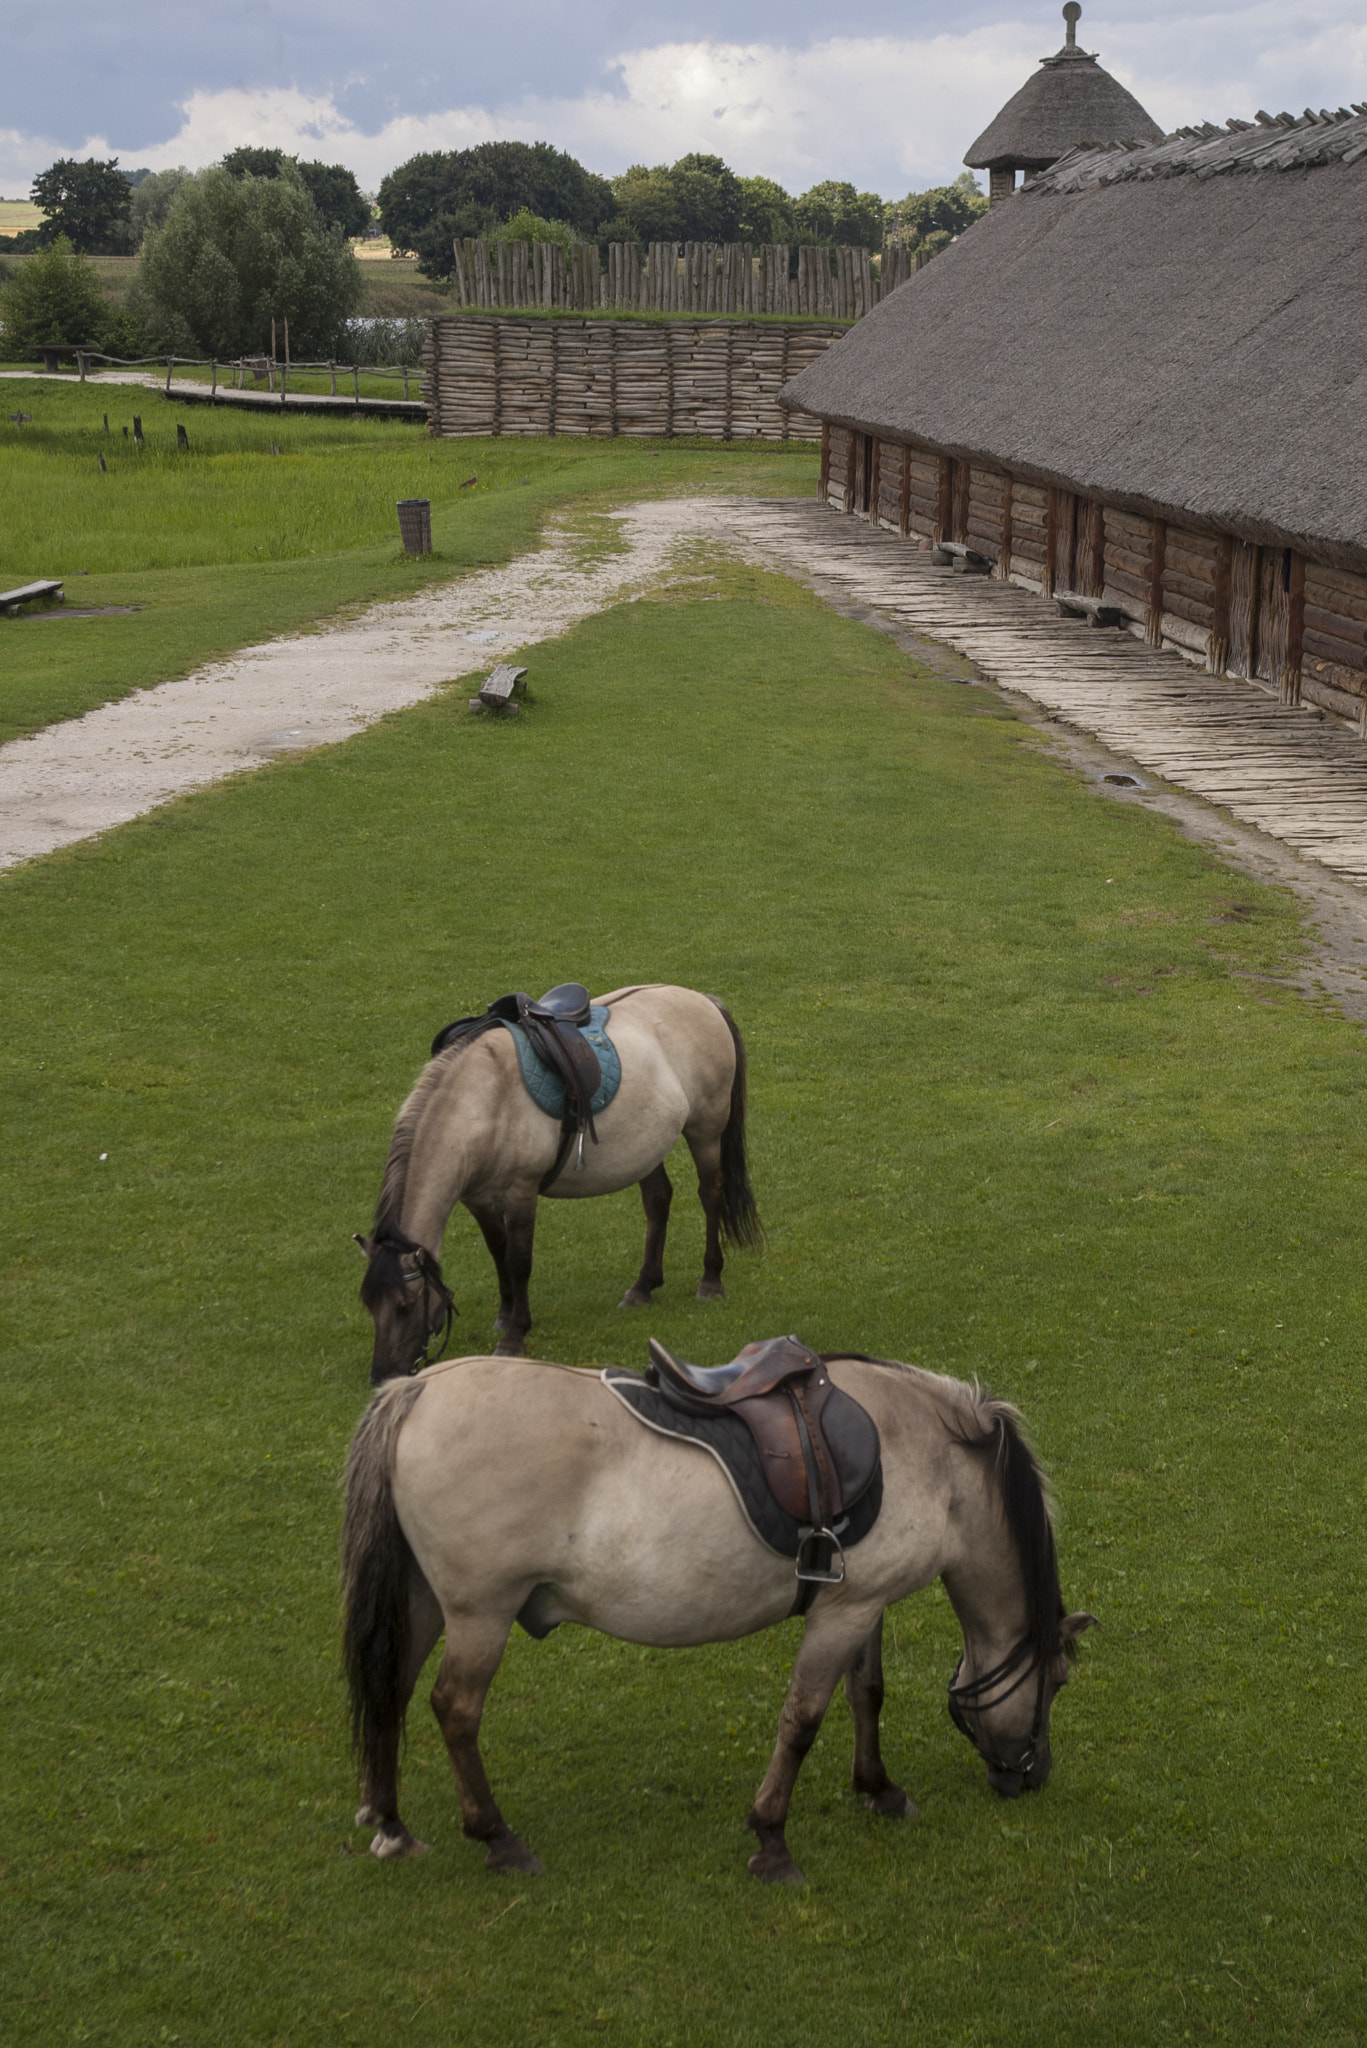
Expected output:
(231, 544)
(1025, 1103)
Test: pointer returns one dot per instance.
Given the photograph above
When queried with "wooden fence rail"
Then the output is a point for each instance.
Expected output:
(718, 278)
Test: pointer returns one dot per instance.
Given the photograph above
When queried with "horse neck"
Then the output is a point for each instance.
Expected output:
(443, 1157)
(984, 1580)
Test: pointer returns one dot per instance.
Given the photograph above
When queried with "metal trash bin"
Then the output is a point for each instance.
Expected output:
(415, 525)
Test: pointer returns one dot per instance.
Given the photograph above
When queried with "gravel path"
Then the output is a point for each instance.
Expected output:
(76, 779)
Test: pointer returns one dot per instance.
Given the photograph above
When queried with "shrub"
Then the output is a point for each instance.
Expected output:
(932, 218)
(380, 342)
(835, 212)
(237, 253)
(53, 298)
(526, 226)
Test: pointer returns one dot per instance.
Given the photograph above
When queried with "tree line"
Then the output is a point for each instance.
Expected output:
(262, 236)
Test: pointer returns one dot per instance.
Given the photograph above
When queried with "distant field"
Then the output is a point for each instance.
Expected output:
(17, 214)
(393, 288)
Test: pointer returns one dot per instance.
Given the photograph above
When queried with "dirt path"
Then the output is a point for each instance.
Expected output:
(74, 780)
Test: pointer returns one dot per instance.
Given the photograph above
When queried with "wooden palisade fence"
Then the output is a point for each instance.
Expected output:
(717, 278)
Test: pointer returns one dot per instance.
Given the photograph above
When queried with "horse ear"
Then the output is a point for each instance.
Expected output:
(1074, 1625)
(367, 1244)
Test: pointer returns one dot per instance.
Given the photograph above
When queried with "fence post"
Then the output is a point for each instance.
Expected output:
(284, 373)
(405, 383)
(213, 377)
(170, 365)
(80, 363)
(332, 373)
(356, 381)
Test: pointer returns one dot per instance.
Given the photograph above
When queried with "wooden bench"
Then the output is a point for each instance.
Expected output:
(975, 562)
(47, 592)
(497, 692)
(1097, 612)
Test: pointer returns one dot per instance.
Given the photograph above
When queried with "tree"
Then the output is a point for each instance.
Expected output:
(766, 212)
(332, 187)
(835, 212)
(934, 217)
(697, 199)
(54, 298)
(237, 253)
(249, 162)
(86, 203)
(151, 202)
(428, 201)
(337, 196)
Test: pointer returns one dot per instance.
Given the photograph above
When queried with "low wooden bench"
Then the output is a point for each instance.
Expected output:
(975, 562)
(1097, 612)
(47, 592)
(497, 692)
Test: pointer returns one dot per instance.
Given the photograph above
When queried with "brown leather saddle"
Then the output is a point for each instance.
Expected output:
(553, 1026)
(819, 1449)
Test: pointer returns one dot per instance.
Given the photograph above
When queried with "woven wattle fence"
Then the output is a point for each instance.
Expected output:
(715, 378)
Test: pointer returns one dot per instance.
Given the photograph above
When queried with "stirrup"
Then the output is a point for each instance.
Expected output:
(810, 1552)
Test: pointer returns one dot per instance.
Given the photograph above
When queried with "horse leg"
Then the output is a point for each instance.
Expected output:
(824, 1655)
(379, 1807)
(656, 1196)
(707, 1159)
(520, 1225)
(495, 1237)
(864, 1691)
(474, 1650)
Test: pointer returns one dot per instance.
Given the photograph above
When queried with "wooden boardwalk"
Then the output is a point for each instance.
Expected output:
(1287, 770)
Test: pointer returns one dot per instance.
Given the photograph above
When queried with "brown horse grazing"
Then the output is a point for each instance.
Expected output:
(470, 1132)
(484, 1482)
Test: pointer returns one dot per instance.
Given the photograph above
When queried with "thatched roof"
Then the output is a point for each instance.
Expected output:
(1069, 101)
(1180, 329)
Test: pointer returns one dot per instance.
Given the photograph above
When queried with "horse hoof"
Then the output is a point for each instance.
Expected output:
(512, 1855)
(635, 1297)
(710, 1290)
(892, 1803)
(391, 1847)
(775, 1870)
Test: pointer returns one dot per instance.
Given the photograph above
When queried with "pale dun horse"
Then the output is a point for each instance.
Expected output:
(469, 1132)
(485, 1481)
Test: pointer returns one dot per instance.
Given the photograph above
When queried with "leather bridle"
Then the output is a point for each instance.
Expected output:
(432, 1283)
(968, 1699)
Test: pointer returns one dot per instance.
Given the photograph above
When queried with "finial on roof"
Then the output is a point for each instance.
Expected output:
(1072, 14)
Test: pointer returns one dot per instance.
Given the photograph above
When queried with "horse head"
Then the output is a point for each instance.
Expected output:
(408, 1300)
(1005, 1712)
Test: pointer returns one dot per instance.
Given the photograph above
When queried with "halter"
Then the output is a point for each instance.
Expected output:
(432, 1282)
(967, 1699)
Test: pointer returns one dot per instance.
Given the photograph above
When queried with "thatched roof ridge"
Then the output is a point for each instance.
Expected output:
(1136, 328)
(1270, 142)
(1069, 100)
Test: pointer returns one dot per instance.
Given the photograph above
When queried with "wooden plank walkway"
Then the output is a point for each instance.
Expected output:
(1289, 771)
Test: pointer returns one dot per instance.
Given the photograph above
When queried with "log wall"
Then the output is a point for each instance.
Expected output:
(716, 378)
(1264, 613)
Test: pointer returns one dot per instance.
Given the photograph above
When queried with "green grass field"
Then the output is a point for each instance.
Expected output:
(1021, 1107)
(230, 544)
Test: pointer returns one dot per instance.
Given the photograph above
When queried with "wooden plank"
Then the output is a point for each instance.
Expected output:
(31, 593)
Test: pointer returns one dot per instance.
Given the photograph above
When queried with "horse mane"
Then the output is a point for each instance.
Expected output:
(389, 1207)
(992, 1430)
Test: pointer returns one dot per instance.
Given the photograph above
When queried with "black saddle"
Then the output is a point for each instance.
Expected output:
(553, 1026)
(819, 1449)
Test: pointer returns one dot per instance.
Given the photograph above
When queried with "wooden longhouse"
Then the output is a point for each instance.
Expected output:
(1069, 101)
(1142, 384)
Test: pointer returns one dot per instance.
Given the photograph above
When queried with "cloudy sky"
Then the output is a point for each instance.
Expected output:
(887, 93)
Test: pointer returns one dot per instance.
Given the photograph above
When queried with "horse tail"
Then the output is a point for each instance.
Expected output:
(376, 1574)
(739, 1217)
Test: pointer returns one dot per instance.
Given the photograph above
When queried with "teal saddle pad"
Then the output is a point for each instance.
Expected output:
(545, 1086)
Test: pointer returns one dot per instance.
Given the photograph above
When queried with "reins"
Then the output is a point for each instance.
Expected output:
(968, 1699)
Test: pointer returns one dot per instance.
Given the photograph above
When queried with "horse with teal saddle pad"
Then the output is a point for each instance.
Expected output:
(507, 1096)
